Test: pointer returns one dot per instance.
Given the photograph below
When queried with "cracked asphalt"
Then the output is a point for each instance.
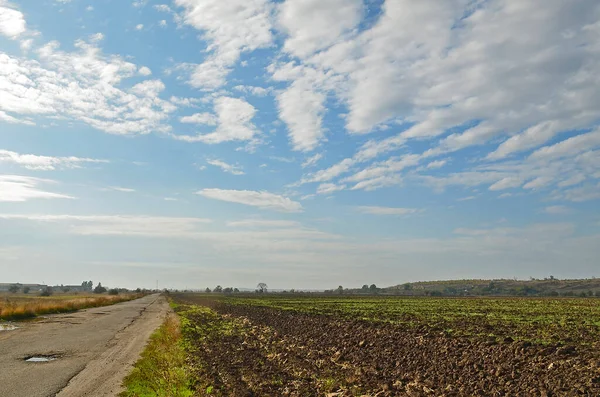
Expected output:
(94, 349)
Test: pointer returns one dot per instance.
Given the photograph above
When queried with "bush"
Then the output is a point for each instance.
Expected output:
(99, 289)
(113, 291)
(46, 292)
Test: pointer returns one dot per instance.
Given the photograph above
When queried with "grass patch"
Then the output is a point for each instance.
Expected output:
(162, 369)
(20, 308)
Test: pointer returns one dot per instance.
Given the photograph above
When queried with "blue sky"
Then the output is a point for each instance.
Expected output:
(300, 143)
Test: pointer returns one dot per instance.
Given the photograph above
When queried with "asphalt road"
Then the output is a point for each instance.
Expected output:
(94, 350)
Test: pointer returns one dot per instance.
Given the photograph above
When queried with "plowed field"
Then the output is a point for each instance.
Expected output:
(274, 346)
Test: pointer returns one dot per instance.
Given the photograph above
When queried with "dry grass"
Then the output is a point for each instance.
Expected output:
(22, 307)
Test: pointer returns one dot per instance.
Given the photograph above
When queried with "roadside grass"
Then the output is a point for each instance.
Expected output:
(161, 371)
(20, 308)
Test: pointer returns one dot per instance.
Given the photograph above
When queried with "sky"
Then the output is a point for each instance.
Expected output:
(300, 143)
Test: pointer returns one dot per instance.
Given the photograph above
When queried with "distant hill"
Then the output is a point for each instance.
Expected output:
(504, 287)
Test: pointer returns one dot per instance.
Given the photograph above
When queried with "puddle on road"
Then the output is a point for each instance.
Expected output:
(40, 359)
(7, 327)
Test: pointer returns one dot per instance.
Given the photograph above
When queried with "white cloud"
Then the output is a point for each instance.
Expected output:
(302, 109)
(311, 161)
(569, 147)
(26, 44)
(12, 21)
(148, 88)
(44, 163)
(313, 25)
(121, 225)
(120, 189)
(139, 26)
(437, 164)
(373, 210)
(89, 8)
(81, 85)
(254, 90)
(162, 23)
(557, 210)
(188, 102)
(144, 71)
(200, 118)
(263, 223)
(16, 188)
(234, 123)
(457, 66)
(96, 37)
(232, 169)
(328, 188)
(229, 28)
(329, 173)
(586, 192)
(385, 168)
(162, 8)
(262, 199)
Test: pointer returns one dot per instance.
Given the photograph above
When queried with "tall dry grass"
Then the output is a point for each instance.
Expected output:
(16, 308)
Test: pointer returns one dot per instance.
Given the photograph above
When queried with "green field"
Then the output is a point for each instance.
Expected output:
(546, 320)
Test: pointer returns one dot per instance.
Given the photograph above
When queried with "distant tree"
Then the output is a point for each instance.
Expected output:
(138, 290)
(340, 290)
(64, 289)
(236, 291)
(13, 289)
(46, 291)
(551, 277)
(407, 286)
(262, 287)
(99, 289)
(26, 290)
(207, 290)
(113, 291)
(228, 290)
(373, 288)
(87, 285)
(218, 288)
(365, 288)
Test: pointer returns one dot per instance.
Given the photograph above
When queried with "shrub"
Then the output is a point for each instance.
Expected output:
(46, 291)
(113, 291)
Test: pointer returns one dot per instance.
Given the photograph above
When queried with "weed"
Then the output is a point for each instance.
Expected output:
(162, 370)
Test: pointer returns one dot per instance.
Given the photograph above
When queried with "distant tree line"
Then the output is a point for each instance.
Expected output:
(86, 286)
(364, 290)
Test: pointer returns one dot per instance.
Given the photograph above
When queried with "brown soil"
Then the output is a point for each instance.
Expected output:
(268, 352)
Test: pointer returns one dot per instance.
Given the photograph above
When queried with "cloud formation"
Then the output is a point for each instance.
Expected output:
(17, 188)
(232, 169)
(264, 200)
(45, 163)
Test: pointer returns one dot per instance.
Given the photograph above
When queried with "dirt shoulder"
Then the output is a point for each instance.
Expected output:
(94, 350)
